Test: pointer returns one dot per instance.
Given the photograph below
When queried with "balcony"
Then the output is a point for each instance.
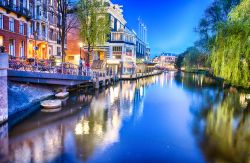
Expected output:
(42, 37)
(19, 10)
(122, 37)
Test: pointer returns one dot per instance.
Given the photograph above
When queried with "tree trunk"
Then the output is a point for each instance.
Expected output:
(63, 35)
(89, 53)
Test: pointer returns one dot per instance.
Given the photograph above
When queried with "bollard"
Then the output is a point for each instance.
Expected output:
(4, 65)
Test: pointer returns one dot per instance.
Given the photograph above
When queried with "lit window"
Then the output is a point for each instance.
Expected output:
(1, 40)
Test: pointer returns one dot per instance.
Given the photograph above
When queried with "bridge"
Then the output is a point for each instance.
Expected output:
(66, 74)
(47, 78)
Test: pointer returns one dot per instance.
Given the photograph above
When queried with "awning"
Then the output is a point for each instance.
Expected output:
(97, 64)
(113, 62)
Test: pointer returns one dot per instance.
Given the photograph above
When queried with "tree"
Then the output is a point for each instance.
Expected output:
(179, 61)
(231, 51)
(191, 59)
(94, 23)
(214, 15)
(66, 20)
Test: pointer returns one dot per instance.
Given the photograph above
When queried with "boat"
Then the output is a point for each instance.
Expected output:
(62, 95)
(51, 104)
(248, 97)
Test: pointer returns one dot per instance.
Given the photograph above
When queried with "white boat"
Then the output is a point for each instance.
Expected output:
(248, 97)
(62, 95)
(51, 104)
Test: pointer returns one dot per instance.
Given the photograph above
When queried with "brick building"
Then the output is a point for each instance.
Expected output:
(14, 15)
(73, 47)
(166, 61)
(43, 30)
(26, 25)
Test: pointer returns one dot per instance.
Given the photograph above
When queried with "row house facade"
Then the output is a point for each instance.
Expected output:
(14, 16)
(166, 60)
(30, 28)
(43, 30)
(121, 56)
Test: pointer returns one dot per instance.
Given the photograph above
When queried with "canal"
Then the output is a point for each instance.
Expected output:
(173, 117)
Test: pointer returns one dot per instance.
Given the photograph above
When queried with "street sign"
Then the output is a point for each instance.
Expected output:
(35, 47)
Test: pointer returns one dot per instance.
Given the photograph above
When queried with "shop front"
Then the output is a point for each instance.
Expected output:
(113, 66)
(129, 68)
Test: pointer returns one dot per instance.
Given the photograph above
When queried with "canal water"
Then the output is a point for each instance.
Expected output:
(173, 117)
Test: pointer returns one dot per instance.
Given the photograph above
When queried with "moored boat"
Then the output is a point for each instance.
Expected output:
(62, 95)
(51, 104)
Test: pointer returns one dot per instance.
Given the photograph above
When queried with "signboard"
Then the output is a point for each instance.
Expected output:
(35, 47)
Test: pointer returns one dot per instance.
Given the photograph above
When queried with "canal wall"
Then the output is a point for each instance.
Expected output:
(3, 88)
(22, 96)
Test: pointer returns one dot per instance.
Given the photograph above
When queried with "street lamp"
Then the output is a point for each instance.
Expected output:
(81, 46)
(36, 48)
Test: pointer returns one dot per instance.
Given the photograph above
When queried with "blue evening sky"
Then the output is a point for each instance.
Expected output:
(170, 22)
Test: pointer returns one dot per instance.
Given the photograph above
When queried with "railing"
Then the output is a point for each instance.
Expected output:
(47, 66)
(15, 8)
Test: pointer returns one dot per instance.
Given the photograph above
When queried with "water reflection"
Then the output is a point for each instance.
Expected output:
(91, 123)
(87, 123)
(221, 119)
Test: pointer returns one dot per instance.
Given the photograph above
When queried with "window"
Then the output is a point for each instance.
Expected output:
(21, 28)
(117, 37)
(31, 28)
(22, 49)
(71, 58)
(51, 2)
(11, 24)
(58, 51)
(1, 40)
(38, 12)
(51, 33)
(112, 22)
(50, 50)
(12, 47)
(117, 49)
(32, 9)
(1, 21)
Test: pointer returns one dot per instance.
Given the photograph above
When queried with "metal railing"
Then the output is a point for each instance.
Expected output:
(47, 66)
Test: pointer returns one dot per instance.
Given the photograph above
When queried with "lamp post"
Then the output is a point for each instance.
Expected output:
(80, 62)
(35, 48)
(81, 46)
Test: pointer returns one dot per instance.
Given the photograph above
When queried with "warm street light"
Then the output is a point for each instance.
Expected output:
(81, 44)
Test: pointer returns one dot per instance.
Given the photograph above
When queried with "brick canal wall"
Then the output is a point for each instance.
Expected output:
(3, 88)
(21, 96)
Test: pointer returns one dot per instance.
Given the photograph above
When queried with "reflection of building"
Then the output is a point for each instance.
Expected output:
(166, 61)
(13, 26)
